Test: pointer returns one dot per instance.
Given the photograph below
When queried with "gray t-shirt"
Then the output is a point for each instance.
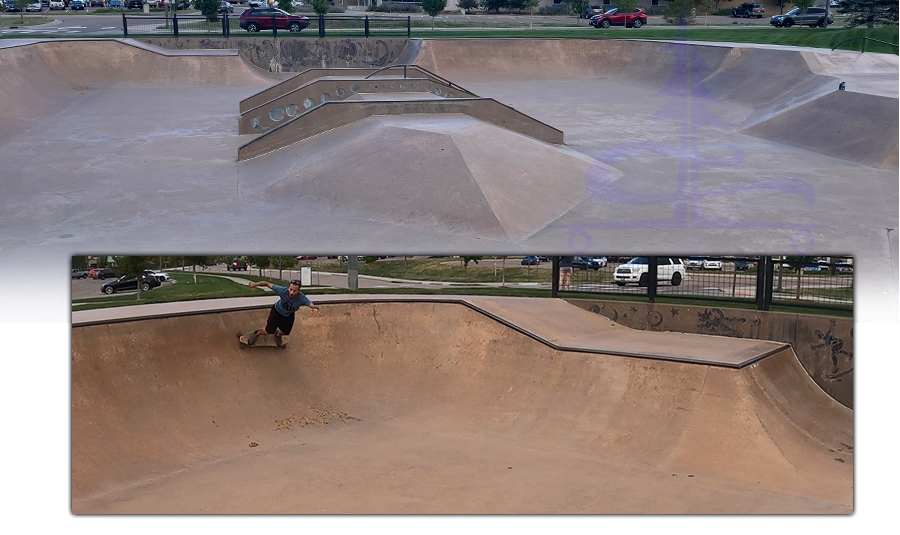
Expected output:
(287, 306)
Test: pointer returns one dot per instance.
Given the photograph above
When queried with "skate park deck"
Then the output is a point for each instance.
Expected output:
(145, 142)
(382, 406)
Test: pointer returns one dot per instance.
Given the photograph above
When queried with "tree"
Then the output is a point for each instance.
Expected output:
(195, 260)
(261, 262)
(868, 12)
(579, 7)
(433, 8)
(798, 262)
(626, 6)
(531, 5)
(803, 4)
(321, 7)
(209, 8)
(679, 12)
(133, 267)
(706, 6)
(20, 5)
(286, 5)
(79, 262)
(492, 5)
(468, 4)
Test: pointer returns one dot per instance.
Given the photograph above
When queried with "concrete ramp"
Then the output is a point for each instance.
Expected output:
(430, 407)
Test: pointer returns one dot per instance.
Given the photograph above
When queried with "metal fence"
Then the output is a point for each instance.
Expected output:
(226, 26)
(761, 281)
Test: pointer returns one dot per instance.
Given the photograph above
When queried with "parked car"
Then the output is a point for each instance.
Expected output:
(256, 3)
(694, 262)
(813, 268)
(96, 3)
(237, 265)
(76, 5)
(9, 6)
(79, 274)
(57, 4)
(104, 273)
(34, 6)
(585, 262)
(590, 11)
(812, 17)
(116, 4)
(531, 261)
(600, 260)
(635, 19)
(844, 267)
(226, 7)
(712, 264)
(749, 9)
(254, 20)
(160, 276)
(125, 283)
(636, 270)
(134, 4)
(741, 265)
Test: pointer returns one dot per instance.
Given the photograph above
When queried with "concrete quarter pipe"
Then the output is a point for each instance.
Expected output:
(443, 407)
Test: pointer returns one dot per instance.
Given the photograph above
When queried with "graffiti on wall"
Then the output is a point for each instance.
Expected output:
(714, 321)
(835, 347)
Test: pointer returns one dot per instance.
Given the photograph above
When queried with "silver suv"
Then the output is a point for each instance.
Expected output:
(812, 17)
(636, 270)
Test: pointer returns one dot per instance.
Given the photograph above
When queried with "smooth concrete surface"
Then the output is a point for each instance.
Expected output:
(424, 407)
(137, 151)
(825, 346)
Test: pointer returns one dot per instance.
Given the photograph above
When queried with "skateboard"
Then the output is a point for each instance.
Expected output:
(269, 340)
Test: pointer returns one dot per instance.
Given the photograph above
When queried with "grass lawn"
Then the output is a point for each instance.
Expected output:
(15, 19)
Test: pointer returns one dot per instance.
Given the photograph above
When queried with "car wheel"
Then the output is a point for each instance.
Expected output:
(746, 15)
(676, 279)
(145, 287)
(604, 23)
(252, 27)
(620, 283)
(644, 280)
(788, 23)
(109, 290)
(821, 23)
(295, 27)
(733, 15)
(637, 23)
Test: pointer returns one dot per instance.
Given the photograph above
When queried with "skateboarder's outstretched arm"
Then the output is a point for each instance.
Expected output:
(269, 285)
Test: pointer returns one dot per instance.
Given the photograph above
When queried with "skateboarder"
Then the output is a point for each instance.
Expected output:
(281, 316)
(566, 264)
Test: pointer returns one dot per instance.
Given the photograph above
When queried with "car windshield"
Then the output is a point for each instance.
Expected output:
(793, 11)
(639, 260)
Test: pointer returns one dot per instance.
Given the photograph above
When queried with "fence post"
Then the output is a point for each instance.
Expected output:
(761, 268)
(408, 24)
(770, 282)
(554, 284)
(367, 26)
(224, 24)
(321, 25)
(175, 22)
(652, 277)
(274, 27)
(864, 44)
(124, 25)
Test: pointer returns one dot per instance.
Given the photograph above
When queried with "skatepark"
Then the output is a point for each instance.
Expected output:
(418, 404)
(697, 146)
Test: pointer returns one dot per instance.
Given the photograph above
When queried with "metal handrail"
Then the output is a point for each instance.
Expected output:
(439, 77)
(864, 42)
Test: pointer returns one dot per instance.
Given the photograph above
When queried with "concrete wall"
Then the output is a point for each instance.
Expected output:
(824, 345)
(296, 55)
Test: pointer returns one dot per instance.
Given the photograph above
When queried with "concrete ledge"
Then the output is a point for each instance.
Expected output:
(332, 115)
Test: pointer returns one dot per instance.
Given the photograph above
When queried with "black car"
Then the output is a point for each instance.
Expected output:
(105, 273)
(749, 9)
(591, 10)
(134, 4)
(741, 265)
(585, 262)
(124, 283)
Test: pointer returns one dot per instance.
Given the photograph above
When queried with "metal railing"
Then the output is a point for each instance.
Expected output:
(760, 281)
(225, 26)
(863, 43)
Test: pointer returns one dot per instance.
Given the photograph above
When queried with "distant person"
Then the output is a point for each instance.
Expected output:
(281, 316)
(565, 271)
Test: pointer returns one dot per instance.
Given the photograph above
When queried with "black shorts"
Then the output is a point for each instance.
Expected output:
(277, 321)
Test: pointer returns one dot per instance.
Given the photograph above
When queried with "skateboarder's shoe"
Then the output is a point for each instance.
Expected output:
(251, 338)
(278, 341)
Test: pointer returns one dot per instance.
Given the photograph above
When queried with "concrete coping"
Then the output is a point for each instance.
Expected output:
(552, 322)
